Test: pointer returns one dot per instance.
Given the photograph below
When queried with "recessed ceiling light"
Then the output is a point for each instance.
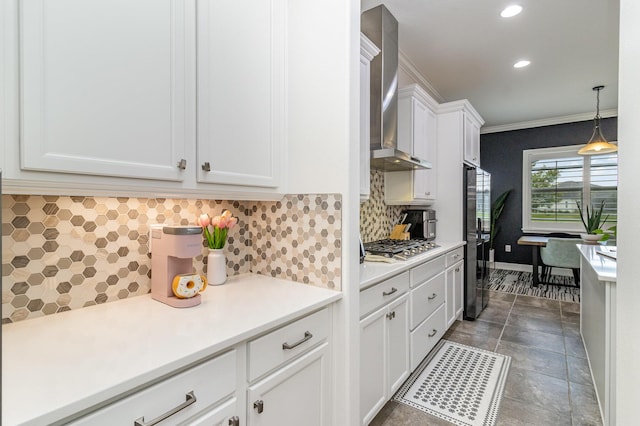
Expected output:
(521, 64)
(510, 11)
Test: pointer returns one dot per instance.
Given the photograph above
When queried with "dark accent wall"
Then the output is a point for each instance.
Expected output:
(501, 155)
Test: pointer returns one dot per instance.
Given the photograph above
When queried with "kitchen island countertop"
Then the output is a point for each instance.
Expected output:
(603, 266)
(373, 272)
(58, 365)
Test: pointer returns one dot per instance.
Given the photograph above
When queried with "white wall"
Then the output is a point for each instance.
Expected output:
(324, 156)
(628, 285)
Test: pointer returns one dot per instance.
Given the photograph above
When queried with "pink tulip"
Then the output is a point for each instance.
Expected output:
(223, 222)
(232, 222)
(215, 221)
(204, 220)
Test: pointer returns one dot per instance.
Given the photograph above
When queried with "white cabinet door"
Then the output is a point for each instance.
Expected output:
(417, 135)
(103, 87)
(373, 360)
(458, 275)
(454, 305)
(297, 394)
(397, 343)
(241, 66)
(471, 141)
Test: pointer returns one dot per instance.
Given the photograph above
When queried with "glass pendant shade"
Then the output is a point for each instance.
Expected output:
(597, 144)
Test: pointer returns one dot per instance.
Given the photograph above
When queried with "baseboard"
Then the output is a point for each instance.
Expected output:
(527, 268)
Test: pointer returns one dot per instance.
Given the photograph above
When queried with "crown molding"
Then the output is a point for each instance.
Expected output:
(548, 121)
(407, 66)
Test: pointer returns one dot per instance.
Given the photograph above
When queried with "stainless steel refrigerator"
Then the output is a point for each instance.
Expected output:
(477, 220)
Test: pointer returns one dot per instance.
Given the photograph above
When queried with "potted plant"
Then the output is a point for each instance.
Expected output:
(592, 222)
(496, 210)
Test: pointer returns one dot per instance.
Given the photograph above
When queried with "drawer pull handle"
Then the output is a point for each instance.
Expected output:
(206, 166)
(457, 269)
(182, 164)
(191, 399)
(455, 256)
(389, 293)
(234, 421)
(433, 296)
(433, 333)
(391, 315)
(306, 337)
(258, 406)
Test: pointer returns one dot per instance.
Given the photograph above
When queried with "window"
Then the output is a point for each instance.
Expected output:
(555, 179)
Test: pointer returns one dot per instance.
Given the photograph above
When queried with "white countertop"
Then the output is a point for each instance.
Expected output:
(603, 266)
(373, 272)
(58, 365)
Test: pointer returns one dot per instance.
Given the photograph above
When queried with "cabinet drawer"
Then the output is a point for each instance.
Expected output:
(273, 349)
(382, 293)
(426, 335)
(210, 382)
(422, 273)
(426, 298)
(455, 256)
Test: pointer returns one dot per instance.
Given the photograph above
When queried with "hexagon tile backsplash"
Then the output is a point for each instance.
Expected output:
(61, 253)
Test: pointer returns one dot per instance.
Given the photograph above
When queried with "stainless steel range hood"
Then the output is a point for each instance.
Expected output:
(380, 26)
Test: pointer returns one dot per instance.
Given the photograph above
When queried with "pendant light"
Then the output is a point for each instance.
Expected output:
(597, 144)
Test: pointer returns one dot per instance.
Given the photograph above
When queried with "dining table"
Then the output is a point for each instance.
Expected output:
(535, 241)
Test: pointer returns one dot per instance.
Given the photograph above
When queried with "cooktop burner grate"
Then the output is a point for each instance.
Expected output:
(400, 249)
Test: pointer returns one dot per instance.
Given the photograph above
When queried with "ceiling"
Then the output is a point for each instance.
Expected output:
(464, 49)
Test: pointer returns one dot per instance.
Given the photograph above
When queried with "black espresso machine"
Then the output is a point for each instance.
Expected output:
(423, 223)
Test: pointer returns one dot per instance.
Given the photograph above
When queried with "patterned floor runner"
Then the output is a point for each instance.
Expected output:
(458, 383)
(519, 282)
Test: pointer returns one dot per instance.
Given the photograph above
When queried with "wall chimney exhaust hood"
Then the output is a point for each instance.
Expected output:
(380, 26)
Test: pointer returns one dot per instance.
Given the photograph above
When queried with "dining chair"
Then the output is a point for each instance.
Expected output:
(561, 253)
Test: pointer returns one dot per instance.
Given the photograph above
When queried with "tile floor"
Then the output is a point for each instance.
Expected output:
(549, 382)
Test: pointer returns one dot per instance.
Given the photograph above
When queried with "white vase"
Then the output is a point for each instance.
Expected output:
(216, 267)
(591, 238)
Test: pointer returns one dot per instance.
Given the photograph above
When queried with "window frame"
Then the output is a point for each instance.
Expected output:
(529, 155)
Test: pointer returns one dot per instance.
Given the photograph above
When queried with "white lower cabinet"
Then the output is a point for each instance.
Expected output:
(384, 355)
(454, 283)
(176, 399)
(297, 394)
(283, 377)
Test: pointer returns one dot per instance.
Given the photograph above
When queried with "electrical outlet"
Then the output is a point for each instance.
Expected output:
(507, 248)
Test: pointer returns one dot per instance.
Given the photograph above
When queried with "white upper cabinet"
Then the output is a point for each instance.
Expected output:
(185, 97)
(241, 96)
(471, 139)
(103, 87)
(368, 51)
(417, 134)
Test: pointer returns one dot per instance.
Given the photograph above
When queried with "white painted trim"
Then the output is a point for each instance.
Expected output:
(461, 105)
(417, 91)
(407, 66)
(520, 267)
(367, 48)
(587, 116)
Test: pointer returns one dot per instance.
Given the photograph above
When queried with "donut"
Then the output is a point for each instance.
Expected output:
(188, 285)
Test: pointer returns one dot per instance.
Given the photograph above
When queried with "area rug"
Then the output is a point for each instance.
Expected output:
(458, 383)
(518, 282)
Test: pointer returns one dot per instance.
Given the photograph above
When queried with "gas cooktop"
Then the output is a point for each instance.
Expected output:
(399, 249)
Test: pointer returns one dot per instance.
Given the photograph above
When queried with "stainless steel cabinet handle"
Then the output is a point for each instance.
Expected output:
(206, 166)
(234, 421)
(433, 296)
(455, 256)
(457, 269)
(258, 406)
(306, 337)
(182, 164)
(427, 193)
(391, 315)
(389, 293)
(191, 399)
(433, 333)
